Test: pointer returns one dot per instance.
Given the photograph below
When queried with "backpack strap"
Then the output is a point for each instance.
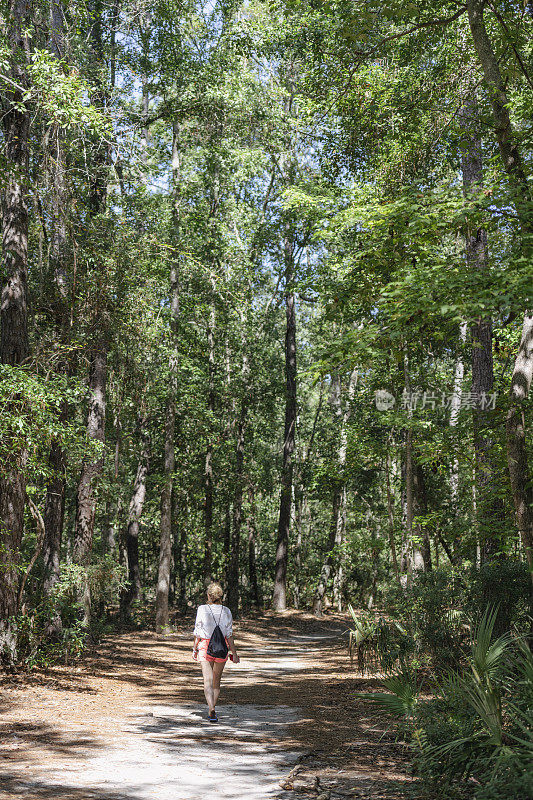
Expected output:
(220, 615)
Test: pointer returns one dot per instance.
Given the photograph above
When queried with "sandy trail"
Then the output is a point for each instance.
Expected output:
(130, 723)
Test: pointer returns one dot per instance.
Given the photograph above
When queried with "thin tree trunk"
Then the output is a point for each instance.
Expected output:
(165, 529)
(163, 573)
(208, 466)
(341, 519)
(90, 472)
(338, 500)
(57, 460)
(409, 485)
(92, 465)
(252, 555)
(233, 571)
(374, 549)
(521, 484)
(14, 346)
(138, 496)
(390, 513)
(455, 408)
(297, 555)
(327, 566)
(422, 507)
(180, 521)
(226, 534)
(279, 596)
(300, 484)
(512, 161)
(114, 503)
(490, 507)
(54, 511)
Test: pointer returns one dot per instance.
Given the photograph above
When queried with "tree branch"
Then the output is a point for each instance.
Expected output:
(515, 49)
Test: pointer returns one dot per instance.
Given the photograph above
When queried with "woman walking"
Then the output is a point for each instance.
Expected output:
(213, 638)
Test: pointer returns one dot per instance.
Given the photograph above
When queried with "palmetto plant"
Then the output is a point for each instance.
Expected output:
(496, 692)
(364, 628)
(402, 695)
(386, 640)
(503, 732)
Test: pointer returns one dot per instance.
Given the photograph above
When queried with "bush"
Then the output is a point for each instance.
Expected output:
(503, 585)
(55, 630)
(436, 611)
(474, 739)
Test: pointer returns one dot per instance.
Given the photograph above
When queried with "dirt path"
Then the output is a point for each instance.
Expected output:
(130, 723)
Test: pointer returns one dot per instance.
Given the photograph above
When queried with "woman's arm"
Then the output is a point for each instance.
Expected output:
(195, 646)
(196, 633)
(233, 649)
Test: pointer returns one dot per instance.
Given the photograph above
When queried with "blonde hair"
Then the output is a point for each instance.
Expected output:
(215, 592)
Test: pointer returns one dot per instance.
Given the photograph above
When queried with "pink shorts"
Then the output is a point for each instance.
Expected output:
(202, 652)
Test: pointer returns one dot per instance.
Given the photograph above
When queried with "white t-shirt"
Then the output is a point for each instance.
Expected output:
(208, 616)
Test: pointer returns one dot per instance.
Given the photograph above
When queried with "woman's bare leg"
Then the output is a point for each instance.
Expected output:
(218, 667)
(207, 672)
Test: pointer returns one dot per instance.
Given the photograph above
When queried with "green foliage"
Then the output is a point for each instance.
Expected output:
(475, 734)
(53, 629)
(402, 694)
(430, 610)
(63, 96)
(505, 585)
(364, 628)
(436, 610)
(31, 408)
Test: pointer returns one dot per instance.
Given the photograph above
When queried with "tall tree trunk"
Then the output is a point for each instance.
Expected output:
(511, 158)
(490, 507)
(300, 498)
(521, 483)
(233, 571)
(54, 512)
(455, 407)
(512, 161)
(208, 466)
(57, 460)
(422, 507)
(255, 594)
(113, 506)
(165, 527)
(14, 346)
(327, 566)
(93, 465)
(279, 596)
(341, 519)
(338, 509)
(55, 491)
(390, 514)
(165, 540)
(374, 551)
(180, 524)
(138, 496)
(297, 554)
(91, 468)
(408, 549)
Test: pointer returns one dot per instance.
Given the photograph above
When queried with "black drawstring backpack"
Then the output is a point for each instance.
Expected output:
(217, 647)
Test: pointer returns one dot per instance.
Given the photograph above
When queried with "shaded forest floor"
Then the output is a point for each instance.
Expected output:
(130, 722)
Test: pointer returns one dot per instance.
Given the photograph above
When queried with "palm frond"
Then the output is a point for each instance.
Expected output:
(402, 697)
(487, 658)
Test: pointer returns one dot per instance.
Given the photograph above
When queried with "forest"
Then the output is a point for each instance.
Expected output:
(267, 318)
